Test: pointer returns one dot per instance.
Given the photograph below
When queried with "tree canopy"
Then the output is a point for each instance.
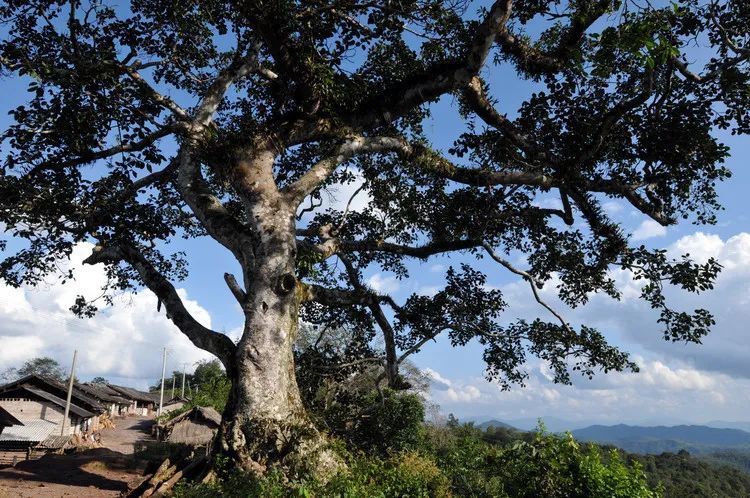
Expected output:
(159, 120)
(43, 365)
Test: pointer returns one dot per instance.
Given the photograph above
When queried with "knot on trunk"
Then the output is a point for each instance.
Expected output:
(285, 284)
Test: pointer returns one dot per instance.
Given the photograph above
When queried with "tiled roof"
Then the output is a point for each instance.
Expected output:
(103, 393)
(130, 393)
(75, 409)
(56, 388)
(33, 431)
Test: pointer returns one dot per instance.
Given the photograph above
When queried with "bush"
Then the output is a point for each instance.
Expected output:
(559, 467)
(403, 475)
(393, 423)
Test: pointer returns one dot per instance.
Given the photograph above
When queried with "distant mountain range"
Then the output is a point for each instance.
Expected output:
(693, 438)
(494, 423)
(555, 424)
(697, 439)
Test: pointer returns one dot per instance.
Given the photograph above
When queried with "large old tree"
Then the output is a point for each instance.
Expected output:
(164, 119)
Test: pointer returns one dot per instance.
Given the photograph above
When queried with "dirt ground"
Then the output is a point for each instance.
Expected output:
(100, 472)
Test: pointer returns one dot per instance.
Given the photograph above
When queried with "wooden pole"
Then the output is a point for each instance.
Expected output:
(182, 394)
(163, 373)
(70, 392)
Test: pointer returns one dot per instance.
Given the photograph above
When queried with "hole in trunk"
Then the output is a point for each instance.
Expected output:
(286, 284)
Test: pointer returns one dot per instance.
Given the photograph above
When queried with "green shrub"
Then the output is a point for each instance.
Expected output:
(393, 423)
(559, 467)
(408, 474)
(404, 475)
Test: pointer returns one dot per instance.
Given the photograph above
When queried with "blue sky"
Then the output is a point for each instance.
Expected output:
(678, 383)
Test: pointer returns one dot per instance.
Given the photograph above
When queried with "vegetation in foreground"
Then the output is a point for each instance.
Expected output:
(390, 451)
(456, 461)
(461, 460)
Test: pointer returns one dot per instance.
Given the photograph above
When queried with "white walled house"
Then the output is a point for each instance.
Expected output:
(40, 412)
(39, 403)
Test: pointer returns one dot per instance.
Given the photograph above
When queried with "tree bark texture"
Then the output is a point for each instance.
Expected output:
(264, 421)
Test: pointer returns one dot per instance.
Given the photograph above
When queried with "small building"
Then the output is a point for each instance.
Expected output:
(196, 427)
(7, 420)
(116, 405)
(42, 413)
(36, 398)
(140, 403)
(174, 404)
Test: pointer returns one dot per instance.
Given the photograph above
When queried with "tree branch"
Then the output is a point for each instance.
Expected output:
(209, 210)
(436, 80)
(91, 156)
(534, 283)
(213, 342)
(318, 173)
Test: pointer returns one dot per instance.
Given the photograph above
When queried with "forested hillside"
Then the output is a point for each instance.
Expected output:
(678, 475)
(655, 440)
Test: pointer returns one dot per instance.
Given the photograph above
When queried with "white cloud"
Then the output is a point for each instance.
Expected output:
(660, 393)
(677, 382)
(124, 341)
(338, 196)
(463, 394)
(633, 323)
(613, 207)
(437, 381)
(383, 284)
(649, 229)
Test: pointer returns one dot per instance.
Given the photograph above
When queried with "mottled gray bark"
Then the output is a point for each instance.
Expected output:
(265, 421)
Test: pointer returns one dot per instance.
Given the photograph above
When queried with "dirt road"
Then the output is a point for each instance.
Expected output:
(101, 472)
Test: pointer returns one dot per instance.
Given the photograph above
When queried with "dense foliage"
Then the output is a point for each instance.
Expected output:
(682, 475)
(458, 462)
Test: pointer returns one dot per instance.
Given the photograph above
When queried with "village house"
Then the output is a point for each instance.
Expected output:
(174, 404)
(195, 427)
(140, 403)
(116, 405)
(39, 403)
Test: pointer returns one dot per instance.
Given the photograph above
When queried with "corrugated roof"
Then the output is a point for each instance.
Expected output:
(53, 442)
(33, 431)
(58, 401)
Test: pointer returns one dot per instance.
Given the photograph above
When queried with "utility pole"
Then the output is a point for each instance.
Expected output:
(172, 386)
(163, 373)
(70, 392)
(184, 366)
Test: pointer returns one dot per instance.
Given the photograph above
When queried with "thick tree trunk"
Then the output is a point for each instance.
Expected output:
(265, 421)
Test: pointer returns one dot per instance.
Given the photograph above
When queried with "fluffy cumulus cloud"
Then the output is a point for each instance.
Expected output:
(649, 229)
(660, 393)
(633, 323)
(450, 391)
(677, 382)
(122, 342)
(384, 284)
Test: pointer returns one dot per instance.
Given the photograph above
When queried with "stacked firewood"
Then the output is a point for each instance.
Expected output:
(161, 482)
(86, 440)
(105, 422)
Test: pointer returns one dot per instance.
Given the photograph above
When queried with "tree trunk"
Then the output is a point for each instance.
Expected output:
(265, 421)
